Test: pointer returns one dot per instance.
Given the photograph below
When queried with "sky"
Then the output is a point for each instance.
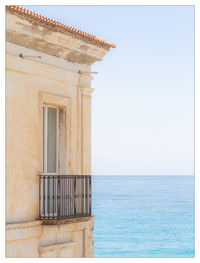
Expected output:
(143, 104)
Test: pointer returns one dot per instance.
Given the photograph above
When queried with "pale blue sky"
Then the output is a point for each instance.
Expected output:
(143, 105)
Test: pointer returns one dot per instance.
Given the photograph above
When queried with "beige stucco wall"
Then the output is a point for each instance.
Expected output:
(31, 81)
(32, 239)
(26, 83)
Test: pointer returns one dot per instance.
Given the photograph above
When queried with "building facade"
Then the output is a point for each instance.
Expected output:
(48, 136)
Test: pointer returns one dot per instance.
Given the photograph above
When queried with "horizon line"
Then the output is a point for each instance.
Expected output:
(143, 175)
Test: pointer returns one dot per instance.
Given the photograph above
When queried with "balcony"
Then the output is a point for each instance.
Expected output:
(64, 196)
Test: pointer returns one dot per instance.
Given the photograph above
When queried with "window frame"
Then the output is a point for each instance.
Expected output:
(64, 103)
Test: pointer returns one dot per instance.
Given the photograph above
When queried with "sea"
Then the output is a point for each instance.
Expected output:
(143, 216)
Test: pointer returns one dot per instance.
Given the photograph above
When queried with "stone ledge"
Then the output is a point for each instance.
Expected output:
(65, 221)
(14, 225)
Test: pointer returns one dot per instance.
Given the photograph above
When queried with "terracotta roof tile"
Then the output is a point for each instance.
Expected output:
(57, 24)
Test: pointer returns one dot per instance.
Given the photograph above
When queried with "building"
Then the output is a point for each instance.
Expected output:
(48, 136)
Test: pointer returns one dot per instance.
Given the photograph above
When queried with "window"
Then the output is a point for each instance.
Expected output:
(55, 134)
(53, 155)
(50, 139)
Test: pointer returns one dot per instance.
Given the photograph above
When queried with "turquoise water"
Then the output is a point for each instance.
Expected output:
(143, 216)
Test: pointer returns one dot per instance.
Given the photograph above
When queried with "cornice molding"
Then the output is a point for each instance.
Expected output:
(65, 46)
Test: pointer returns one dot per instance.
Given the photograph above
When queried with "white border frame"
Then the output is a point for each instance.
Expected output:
(197, 125)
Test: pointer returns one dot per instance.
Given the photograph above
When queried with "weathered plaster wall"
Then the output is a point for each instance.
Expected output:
(60, 44)
(32, 239)
(53, 78)
(25, 81)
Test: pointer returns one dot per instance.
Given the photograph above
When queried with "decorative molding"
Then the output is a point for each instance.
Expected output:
(68, 47)
(55, 26)
(42, 70)
(85, 91)
(18, 225)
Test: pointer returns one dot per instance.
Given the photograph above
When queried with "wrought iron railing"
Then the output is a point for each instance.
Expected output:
(64, 196)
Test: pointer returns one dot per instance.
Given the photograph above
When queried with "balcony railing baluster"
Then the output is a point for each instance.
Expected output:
(64, 196)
